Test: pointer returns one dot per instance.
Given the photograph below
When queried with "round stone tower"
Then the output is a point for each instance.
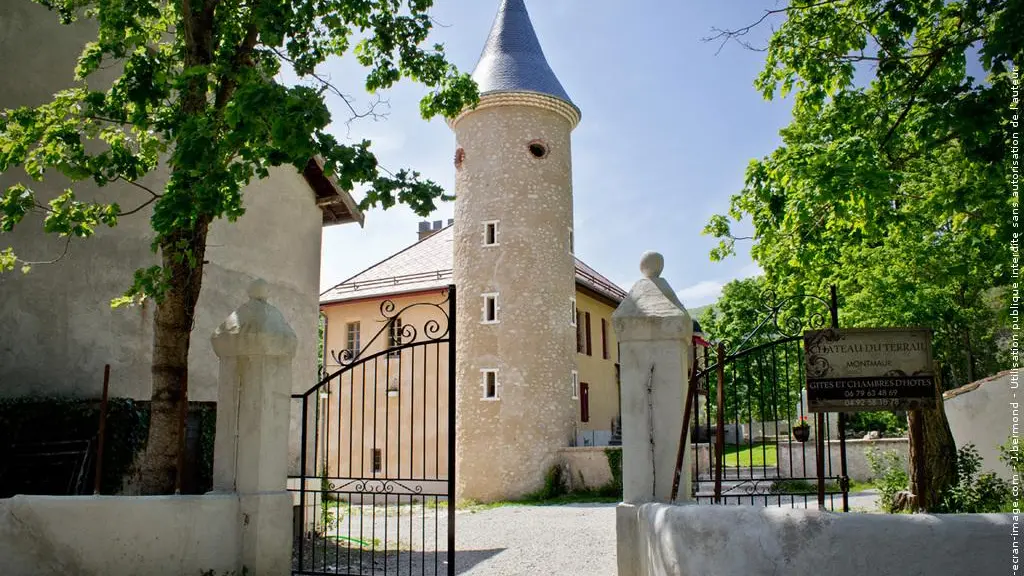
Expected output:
(514, 268)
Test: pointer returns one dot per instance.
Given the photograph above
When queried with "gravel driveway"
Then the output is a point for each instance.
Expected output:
(570, 540)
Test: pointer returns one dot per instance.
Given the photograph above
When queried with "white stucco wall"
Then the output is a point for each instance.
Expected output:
(586, 467)
(119, 536)
(982, 413)
(59, 329)
(753, 541)
(796, 460)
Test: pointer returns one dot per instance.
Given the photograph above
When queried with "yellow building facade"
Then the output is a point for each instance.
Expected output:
(385, 416)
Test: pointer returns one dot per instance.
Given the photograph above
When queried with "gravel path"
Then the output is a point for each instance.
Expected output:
(570, 540)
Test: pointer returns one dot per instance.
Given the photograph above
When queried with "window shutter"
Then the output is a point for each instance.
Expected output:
(587, 320)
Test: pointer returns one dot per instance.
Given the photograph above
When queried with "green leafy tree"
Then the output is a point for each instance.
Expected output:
(763, 383)
(891, 180)
(893, 188)
(196, 93)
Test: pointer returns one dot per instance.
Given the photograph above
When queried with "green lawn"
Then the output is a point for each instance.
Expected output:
(756, 455)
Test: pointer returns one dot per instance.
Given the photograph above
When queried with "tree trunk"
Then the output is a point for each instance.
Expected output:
(172, 330)
(932, 454)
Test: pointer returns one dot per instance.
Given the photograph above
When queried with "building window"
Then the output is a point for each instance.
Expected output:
(490, 311)
(395, 337)
(586, 322)
(572, 242)
(491, 233)
(352, 338)
(378, 461)
(579, 334)
(575, 384)
(604, 338)
(489, 382)
(584, 402)
(574, 313)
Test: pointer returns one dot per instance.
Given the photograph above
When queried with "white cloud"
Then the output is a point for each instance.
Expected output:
(708, 291)
(700, 293)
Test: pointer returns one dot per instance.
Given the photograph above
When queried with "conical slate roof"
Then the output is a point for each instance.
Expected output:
(512, 60)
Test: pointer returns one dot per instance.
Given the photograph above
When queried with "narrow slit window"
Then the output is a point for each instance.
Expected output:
(490, 384)
(378, 464)
(580, 346)
(586, 322)
(491, 233)
(604, 339)
(490, 311)
(395, 337)
(574, 313)
(572, 242)
(575, 385)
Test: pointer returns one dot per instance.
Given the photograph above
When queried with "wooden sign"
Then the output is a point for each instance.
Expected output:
(869, 369)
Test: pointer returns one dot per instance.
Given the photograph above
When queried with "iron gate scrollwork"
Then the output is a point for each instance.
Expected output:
(747, 402)
(376, 489)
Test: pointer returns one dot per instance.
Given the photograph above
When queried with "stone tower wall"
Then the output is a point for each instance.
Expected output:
(504, 447)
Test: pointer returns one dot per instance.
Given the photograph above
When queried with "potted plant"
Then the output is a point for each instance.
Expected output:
(802, 429)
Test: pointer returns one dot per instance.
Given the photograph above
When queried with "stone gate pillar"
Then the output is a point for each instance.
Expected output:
(655, 335)
(256, 346)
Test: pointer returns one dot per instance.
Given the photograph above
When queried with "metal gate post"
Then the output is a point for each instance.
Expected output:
(844, 480)
(451, 429)
(720, 424)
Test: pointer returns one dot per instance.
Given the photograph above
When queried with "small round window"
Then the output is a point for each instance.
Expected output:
(538, 149)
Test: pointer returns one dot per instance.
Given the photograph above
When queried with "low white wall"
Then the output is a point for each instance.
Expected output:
(586, 467)
(981, 413)
(119, 535)
(798, 460)
(731, 540)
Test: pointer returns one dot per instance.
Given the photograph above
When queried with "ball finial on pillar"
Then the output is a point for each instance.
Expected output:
(259, 289)
(651, 264)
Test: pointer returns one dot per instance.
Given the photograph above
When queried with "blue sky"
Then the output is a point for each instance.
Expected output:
(668, 129)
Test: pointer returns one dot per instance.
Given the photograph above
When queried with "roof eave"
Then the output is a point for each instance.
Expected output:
(337, 205)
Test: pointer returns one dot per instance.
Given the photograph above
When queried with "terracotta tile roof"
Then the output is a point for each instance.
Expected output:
(427, 265)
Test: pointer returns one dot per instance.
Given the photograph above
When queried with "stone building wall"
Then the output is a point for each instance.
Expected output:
(504, 446)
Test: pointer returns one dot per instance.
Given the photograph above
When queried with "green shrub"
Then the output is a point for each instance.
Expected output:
(888, 423)
(1009, 454)
(974, 493)
(614, 488)
(890, 475)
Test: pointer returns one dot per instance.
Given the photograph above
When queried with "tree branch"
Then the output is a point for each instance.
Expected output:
(370, 112)
(67, 243)
(140, 207)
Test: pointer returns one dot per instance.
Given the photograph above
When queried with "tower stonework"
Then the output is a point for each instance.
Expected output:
(513, 245)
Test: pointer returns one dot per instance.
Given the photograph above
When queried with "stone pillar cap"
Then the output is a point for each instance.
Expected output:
(650, 299)
(256, 328)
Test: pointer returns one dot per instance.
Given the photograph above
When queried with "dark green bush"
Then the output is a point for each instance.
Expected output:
(974, 493)
(888, 423)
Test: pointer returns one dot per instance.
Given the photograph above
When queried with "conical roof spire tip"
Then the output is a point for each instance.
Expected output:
(512, 59)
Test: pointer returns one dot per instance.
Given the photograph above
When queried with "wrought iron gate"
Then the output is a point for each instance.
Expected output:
(377, 490)
(747, 406)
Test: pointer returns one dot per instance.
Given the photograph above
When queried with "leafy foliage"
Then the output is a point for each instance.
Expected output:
(198, 92)
(974, 493)
(888, 423)
(1009, 454)
(890, 181)
(196, 97)
(764, 384)
(890, 476)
